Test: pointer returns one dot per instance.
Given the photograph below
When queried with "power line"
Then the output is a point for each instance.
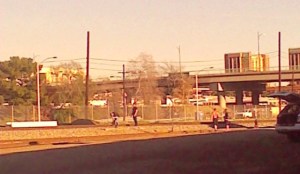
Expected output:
(207, 60)
(116, 60)
(105, 69)
(112, 60)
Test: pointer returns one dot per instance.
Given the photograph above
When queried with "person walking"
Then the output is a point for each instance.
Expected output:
(134, 114)
(215, 117)
(226, 118)
(114, 117)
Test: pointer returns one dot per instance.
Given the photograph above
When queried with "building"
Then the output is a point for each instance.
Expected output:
(294, 58)
(245, 62)
(236, 62)
(58, 76)
(259, 62)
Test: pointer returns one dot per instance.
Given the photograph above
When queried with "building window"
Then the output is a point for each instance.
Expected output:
(291, 61)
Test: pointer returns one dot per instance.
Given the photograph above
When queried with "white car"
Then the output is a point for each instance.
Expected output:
(245, 114)
(288, 120)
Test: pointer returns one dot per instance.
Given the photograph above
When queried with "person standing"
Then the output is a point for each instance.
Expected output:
(134, 114)
(215, 117)
(226, 119)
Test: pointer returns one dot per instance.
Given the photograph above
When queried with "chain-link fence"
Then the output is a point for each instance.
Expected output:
(153, 112)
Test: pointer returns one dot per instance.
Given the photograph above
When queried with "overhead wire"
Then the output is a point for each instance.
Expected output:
(119, 62)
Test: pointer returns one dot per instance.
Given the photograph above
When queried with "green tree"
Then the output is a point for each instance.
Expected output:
(1, 100)
(70, 84)
(18, 81)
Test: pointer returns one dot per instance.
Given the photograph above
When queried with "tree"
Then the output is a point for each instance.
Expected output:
(70, 86)
(173, 79)
(18, 81)
(184, 88)
(143, 70)
(114, 98)
(179, 85)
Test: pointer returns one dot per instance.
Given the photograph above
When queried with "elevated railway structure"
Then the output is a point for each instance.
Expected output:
(238, 82)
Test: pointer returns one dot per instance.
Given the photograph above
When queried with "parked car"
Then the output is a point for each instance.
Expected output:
(244, 114)
(288, 120)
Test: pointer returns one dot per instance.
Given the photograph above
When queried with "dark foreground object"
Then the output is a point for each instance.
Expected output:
(251, 151)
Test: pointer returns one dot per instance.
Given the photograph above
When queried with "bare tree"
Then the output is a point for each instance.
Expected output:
(173, 78)
(143, 70)
(179, 85)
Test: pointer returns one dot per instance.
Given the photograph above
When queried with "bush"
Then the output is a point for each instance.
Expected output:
(62, 115)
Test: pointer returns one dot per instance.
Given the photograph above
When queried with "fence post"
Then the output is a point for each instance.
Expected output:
(267, 111)
(156, 117)
(170, 112)
(69, 117)
(184, 108)
(234, 111)
(108, 113)
(143, 112)
(92, 112)
(255, 111)
(33, 112)
(12, 113)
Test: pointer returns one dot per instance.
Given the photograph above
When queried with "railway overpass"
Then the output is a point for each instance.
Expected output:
(238, 82)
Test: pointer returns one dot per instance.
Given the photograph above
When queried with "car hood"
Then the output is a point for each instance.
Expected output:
(287, 96)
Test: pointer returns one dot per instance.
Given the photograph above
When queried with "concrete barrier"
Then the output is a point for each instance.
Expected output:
(34, 124)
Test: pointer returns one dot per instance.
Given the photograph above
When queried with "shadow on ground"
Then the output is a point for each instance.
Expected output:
(237, 125)
(207, 153)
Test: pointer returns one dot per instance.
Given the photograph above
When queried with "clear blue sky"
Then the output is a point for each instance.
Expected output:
(122, 29)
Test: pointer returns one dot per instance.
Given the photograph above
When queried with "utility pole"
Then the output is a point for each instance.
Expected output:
(181, 77)
(179, 56)
(87, 75)
(258, 50)
(124, 95)
(279, 67)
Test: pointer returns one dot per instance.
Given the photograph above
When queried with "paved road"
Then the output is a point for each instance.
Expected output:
(248, 151)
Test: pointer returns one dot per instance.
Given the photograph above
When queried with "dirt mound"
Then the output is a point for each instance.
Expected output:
(83, 122)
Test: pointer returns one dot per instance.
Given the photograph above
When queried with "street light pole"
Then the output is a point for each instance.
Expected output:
(124, 96)
(197, 95)
(258, 50)
(38, 86)
(279, 67)
(38, 91)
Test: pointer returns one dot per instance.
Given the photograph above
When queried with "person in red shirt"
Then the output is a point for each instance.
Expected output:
(215, 116)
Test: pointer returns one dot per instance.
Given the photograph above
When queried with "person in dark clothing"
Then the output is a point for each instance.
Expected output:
(215, 117)
(134, 114)
(226, 118)
(114, 117)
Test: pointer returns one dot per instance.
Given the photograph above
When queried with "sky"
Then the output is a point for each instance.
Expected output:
(120, 30)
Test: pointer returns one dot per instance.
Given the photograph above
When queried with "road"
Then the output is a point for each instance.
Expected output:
(247, 151)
